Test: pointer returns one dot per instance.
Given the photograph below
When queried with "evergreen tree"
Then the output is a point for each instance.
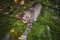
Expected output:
(47, 27)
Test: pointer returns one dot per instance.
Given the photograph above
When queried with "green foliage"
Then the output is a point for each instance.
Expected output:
(47, 26)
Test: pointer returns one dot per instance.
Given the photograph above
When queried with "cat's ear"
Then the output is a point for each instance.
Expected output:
(19, 16)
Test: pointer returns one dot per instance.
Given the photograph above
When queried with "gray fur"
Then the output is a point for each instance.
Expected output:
(34, 12)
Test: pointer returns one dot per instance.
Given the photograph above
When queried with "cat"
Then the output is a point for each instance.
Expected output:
(29, 17)
(31, 14)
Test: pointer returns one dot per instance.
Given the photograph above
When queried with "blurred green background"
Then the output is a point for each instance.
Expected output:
(47, 27)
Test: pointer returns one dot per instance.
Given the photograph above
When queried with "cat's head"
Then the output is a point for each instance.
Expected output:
(25, 17)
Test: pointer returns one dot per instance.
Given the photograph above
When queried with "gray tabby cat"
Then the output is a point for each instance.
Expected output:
(29, 17)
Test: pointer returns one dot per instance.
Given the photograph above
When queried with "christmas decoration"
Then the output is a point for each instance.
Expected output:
(12, 30)
(22, 2)
(16, 1)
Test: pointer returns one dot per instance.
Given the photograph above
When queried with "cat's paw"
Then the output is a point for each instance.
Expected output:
(23, 37)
